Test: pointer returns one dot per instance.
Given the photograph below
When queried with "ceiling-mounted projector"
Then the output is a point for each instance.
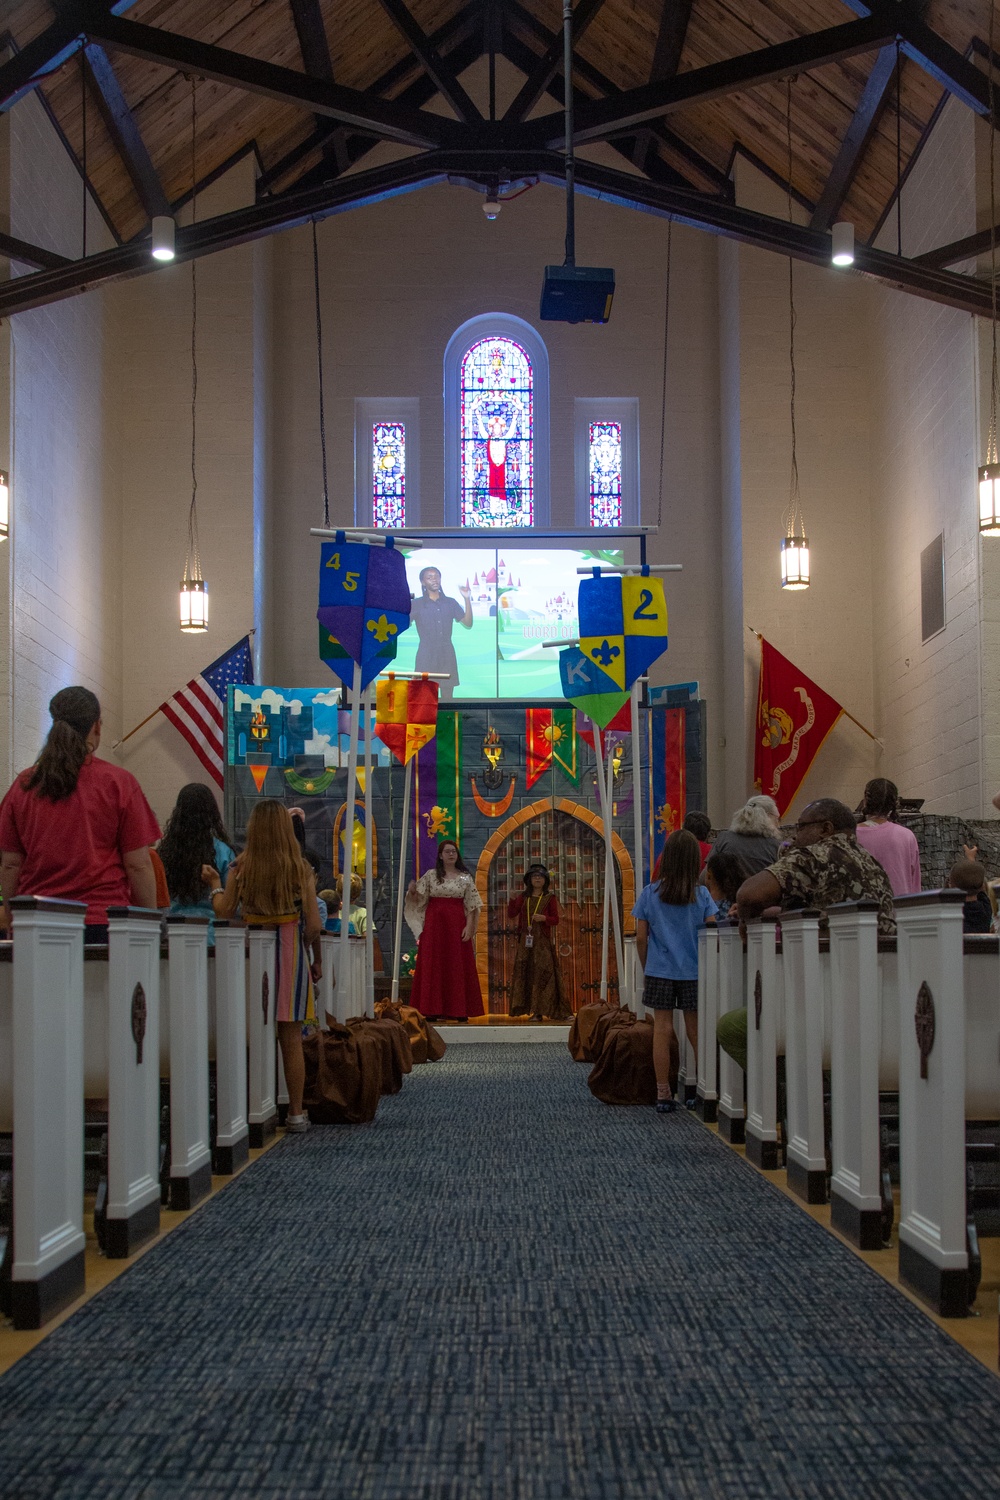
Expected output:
(577, 294)
(572, 293)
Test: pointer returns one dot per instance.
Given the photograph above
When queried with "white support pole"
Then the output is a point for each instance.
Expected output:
(232, 1133)
(190, 1152)
(133, 1000)
(48, 1108)
(634, 971)
(326, 1004)
(401, 877)
(347, 997)
(262, 1107)
(369, 705)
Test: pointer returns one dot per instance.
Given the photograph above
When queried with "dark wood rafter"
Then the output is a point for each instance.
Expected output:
(670, 39)
(31, 255)
(431, 60)
(628, 110)
(315, 50)
(536, 84)
(877, 91)
(47, 52)
(360, 111)
(969, 248)
(938, 58)
(521, 58)
(124, 132)
(697, 210)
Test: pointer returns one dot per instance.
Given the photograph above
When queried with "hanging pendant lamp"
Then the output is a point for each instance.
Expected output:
(794, 543)
(194, 588)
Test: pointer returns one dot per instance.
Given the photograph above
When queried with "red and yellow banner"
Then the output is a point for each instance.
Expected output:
(405, 714)
(794, 717)
(550, 736)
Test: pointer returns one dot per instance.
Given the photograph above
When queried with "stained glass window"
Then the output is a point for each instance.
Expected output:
(605, 469)
(389, 474)
(497, 462)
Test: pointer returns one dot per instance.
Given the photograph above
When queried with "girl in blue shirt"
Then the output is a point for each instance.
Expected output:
(668, 915)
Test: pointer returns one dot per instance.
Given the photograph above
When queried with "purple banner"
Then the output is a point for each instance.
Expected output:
(425, 834)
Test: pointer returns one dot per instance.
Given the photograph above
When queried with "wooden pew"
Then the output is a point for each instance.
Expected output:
(190, 1141)
(807, 1010)
(262, 1100)
(132, 1213)
(46, 1027)
(765, 1037)
(708, 1015)
(227, 1003)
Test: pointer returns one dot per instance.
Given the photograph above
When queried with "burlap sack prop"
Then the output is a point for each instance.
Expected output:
(390, 1038)
(343, 1076)
(623, 1074)
(425, 1043)
(613, 1019)
(582, 1030)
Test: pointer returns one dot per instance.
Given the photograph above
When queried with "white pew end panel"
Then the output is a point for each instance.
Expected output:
(933, 1246)
(232, 1131)
(732, 996)
(132, 1213)
(190, 1151)
(856, 1206)
(262, 1102)
(765, 1028)
(48, 1267)
(708, 1015)
(805, 1034)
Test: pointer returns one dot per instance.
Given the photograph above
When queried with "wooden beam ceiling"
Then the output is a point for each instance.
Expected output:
(431, 61)
(124, 132)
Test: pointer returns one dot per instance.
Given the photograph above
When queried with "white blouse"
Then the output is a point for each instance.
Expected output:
(428, 886)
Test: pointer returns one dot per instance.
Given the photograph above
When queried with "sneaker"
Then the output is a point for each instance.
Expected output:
(666, 1106)
(297, 1124)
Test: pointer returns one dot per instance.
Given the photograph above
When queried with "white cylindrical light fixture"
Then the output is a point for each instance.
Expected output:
(843, 244)
(492, 206)
(4, 505)
(989, 499)
(795, 562)
(194, 605)
(162, 247)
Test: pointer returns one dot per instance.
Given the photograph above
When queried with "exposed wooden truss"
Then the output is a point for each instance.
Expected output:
(344, 121)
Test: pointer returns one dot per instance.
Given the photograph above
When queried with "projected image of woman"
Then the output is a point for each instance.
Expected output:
(434, 614)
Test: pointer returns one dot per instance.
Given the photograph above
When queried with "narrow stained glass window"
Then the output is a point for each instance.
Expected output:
(605, 450)
(389, 475)
(497, 461)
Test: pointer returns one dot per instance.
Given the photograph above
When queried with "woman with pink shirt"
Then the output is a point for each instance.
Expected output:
(894, 846)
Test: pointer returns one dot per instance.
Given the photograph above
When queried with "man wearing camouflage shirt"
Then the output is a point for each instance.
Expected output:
(825, 864)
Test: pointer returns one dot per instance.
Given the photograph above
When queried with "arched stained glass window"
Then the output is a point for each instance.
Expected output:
(389, 474)
(605, 469)
(497, 421)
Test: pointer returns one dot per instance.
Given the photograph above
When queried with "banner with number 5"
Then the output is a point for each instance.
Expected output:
(623, 624)
(364, 604)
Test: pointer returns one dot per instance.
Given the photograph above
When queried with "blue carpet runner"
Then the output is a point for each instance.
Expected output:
(500, 1289)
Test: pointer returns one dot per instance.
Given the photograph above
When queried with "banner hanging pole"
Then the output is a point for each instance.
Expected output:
(598, 766)
(636, 832)
(401, 877)
(345, 898)
(369, 823)
(624, 987)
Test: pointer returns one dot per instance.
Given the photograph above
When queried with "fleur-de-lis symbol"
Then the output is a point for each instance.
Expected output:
(605, 653)
(382, 629)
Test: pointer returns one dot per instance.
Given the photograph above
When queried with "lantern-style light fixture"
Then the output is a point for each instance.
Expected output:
(794, 543)
(989, 472)
(194, 588)
(162, 246)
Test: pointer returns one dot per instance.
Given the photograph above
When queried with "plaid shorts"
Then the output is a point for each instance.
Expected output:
(669, 994)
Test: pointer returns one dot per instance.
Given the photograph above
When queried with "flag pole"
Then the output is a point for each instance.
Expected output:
(345, 899)
(149, 717)
(624, 987)
(864, 728)
(636, 831)
(401, 891)
(369, 818)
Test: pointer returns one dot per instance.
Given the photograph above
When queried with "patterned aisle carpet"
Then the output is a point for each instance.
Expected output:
(500, 1289)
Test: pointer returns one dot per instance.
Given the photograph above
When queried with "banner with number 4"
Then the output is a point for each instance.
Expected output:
(364, 605)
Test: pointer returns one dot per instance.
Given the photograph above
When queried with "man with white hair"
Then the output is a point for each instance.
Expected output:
(754, 834)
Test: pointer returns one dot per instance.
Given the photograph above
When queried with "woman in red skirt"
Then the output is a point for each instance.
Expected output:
(442, 910)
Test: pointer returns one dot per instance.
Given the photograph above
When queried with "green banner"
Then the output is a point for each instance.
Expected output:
(449, 770)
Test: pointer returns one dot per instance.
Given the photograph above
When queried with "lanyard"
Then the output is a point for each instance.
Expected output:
(538, 907)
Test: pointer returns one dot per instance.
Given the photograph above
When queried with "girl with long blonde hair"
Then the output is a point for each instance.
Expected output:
(272, 885)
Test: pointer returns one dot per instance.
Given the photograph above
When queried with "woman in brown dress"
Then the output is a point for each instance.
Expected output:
(537, 988)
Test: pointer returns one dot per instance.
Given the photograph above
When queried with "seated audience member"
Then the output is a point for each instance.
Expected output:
(194, 842)
(358, 918)
(969, 875)
(700, 824)
(724, 874)
(754, 834)
(894, 846)
(75, 827)
(313, 861)
(823, 866)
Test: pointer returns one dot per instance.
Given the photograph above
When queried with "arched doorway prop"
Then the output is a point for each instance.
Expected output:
(568, 838)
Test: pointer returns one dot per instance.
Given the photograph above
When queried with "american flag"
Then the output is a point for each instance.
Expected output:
(199, 710)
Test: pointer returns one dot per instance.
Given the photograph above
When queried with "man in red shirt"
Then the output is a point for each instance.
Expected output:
(75, 827)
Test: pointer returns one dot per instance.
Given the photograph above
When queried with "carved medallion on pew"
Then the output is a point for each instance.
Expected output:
(925, 1022)
(138, 1021)
(758, 1000)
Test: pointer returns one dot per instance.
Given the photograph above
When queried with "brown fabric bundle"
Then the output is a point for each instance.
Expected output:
(623, 1074)
(343, 1076)
(425, 1043)
(582, 1030)
(389, 1038)
(613, 1019)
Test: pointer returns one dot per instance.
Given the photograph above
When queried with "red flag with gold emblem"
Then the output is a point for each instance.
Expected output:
(405, 714)
(794, 717)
